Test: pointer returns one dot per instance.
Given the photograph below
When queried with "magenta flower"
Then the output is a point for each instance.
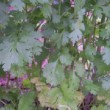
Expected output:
(11, 8)
(24, 77)
(89, 14)
(102, 49)
(40, 24)
(45, 62)
(41, 39)
(55, 2)
(30, 65)
(35, 62)
(80, 47)
(72, 2)
(3, 81)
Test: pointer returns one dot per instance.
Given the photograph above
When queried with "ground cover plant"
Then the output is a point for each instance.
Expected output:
(54, 54)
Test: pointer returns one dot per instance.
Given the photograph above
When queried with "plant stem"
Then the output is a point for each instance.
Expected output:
(60, 7)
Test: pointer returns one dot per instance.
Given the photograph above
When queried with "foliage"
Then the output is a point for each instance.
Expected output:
(64, 48)
(26, 101)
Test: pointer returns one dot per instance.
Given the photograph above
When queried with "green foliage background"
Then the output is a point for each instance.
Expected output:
(65, 81)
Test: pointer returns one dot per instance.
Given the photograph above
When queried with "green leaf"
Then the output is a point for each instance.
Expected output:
(102, 68)
(105, 33)
(29, 46)
(3, 14)
(102, 2)
(80, 69)
(65, 57)
(91, 87)
(18, 16)
(18, 52)
(105, 82)
(90, 52)
(46, 10)
(26, 101)
(48, 30)
(75, 36)
(56, 18)
(43, 1)
(54, 73)
(98, 12)
(73, 81)
(100, 107)
(33, 1)
(18, 70)
(106, 10)
(81, 14)
(70, 95)
(65, 38)
(27, 83)
(106, 56)
(65, 95)
(18, 4)
(8, 56)
(66, 92)
(56, 39)
(79, 25)
(54, 94)
(79, 4)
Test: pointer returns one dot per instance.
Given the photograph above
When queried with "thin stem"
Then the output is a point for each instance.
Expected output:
(60, 7)
(2, 102)
(8, 79)
(65, 12)
(94, 22)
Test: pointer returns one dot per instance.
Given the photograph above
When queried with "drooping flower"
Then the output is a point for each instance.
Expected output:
(102, 49)
(55, 2)
(80, 47)
(41, 39)
(30, 65)
(11, 8)
(72, 3)
(35, 62)
(3, 82)
(89, 14)
(41, 23)
(45, 62)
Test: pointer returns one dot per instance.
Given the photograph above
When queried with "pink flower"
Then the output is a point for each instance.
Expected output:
(45, 62)
(35, 62)
(80, 48)
(25, 77)
(41, 39)
(3, 81)
(102, 49)
(72, 2)
(30, 65)
(11, 8)
(40, 24)
(89, 14)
